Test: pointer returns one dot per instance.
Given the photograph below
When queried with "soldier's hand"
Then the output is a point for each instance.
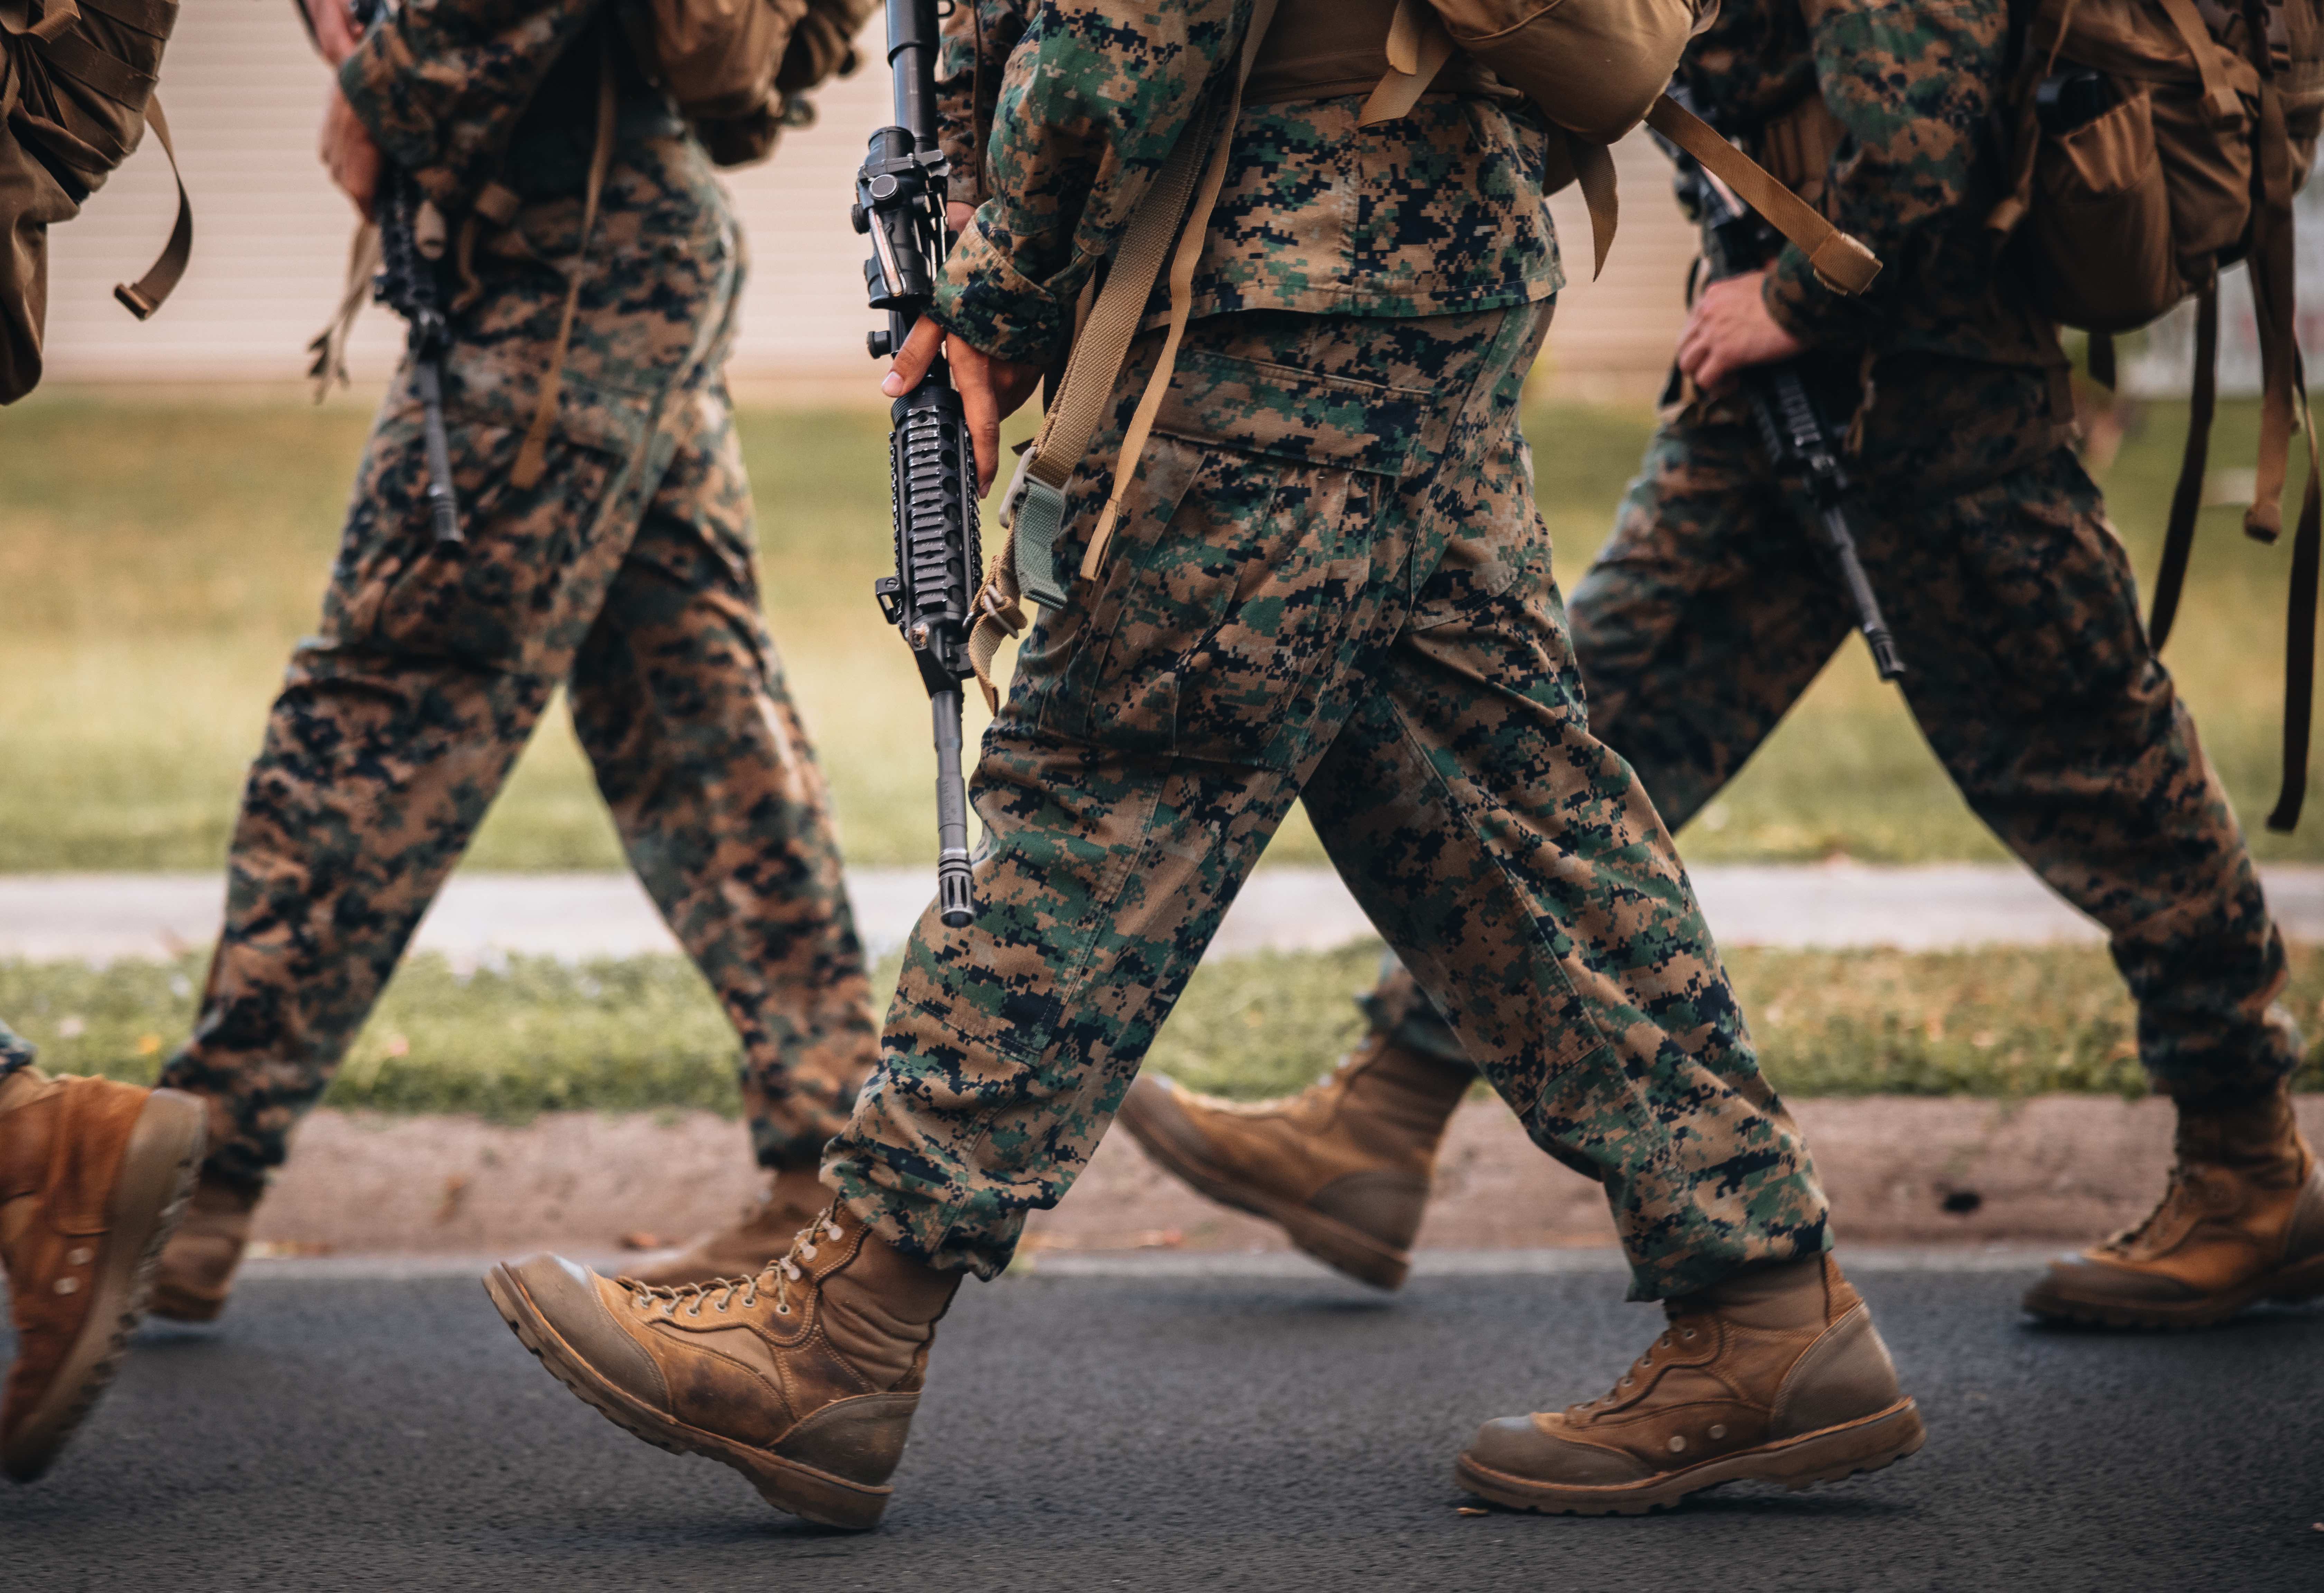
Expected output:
(335, 32)
(991, 389)
(348, 153)
(1729, 331)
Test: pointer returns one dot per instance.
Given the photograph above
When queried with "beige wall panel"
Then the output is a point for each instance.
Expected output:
(243, 92)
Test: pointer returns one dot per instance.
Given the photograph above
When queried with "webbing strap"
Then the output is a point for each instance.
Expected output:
(532, 457)
(1842, 263)
(1026, 567)
(2271, 272)
(2300, 636)
(2219, 94)
(2187, 497)
(146, 294)
(328, 367)
(1418, 46)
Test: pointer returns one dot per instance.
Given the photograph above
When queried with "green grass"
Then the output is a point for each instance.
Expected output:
(644, 1034)
(160, 560)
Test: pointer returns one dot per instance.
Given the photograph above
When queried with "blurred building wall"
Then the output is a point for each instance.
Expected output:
(244, 91)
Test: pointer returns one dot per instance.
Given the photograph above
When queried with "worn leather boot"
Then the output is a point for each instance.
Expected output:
(196, 1276)
(764, 1231)
(1776, 1374)
(803, 1377)
(93, 1175)
(2242, 1221)
(1343, 1166)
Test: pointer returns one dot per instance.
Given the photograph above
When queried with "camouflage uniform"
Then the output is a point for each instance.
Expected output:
(1329, 577)
(1708, 613)
(627, 574)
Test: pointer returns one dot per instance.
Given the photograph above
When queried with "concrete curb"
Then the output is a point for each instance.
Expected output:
(1900, 1171)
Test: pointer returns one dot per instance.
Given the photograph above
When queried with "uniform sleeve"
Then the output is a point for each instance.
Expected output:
(1910, 87)
(441, 83)
(978, 35)
(1095, 96)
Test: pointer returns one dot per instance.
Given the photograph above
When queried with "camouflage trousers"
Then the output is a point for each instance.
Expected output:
(626, 573)
(1708, 612)
(1329, 577)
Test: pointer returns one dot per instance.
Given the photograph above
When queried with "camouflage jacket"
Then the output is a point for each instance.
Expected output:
(1914, 88)
(444, 86)
(1439, 211)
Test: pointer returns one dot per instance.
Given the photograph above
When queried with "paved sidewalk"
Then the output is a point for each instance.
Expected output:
(102, 916)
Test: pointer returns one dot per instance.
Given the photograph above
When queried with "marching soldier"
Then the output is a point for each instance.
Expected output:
(1327, 576)
(1708, 612)
(620, 564)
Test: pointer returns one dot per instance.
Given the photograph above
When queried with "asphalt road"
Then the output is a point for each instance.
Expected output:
(1173, 1432)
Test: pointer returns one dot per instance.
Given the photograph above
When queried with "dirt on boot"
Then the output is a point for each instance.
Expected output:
(802, 1377)
(93, 1178)
(2241, 1220)
(1777, 1375)
(795, 1197)
(196, 1275)
(1343, 1166)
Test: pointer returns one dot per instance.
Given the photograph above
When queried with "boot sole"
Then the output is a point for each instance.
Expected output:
(2303, 1280)
(1826, 1455)
(155, 1185)
(1343, 1250)
(176, 1305)
(798, 1490)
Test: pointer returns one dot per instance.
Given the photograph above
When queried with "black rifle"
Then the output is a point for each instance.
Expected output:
(1797, 440)
(409, 283)
(900, 199)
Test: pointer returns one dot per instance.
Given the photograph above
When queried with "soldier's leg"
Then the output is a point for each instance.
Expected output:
(2034, 681)
(1700, 622)
(1156, 735)
(394, 731)
(679, 698)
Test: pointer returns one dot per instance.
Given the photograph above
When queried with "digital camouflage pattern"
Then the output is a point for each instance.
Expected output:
(1093, 98)
(628, 574)
(1708, 613)
(1913, 89)
(1330, 578)
(1709, 610)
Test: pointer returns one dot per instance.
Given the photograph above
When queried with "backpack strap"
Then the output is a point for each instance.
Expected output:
(1034, 510)
(1841, 263)
(142, 296)
(2187, 497)
(531, 456)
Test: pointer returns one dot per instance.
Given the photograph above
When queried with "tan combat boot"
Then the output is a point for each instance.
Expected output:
(1343, 1166)
(1776, 1374)
(93, 1175)
(198, 1266)
(2242, 1221)
(764, 1230)
(803, 1377)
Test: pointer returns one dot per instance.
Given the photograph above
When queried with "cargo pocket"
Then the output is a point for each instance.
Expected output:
(511, 595)
(2104, 257)
(1247, 576)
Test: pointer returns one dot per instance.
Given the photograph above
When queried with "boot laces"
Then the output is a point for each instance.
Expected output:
(722, 1293)
(1678, 1329)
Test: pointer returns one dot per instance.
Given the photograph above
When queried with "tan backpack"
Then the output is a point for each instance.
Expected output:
(2156, 142)
(735, 67)
(75, 97)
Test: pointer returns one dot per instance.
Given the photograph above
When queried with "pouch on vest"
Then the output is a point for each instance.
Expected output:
(736, 68)
(75, 97)
(2153, 143)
